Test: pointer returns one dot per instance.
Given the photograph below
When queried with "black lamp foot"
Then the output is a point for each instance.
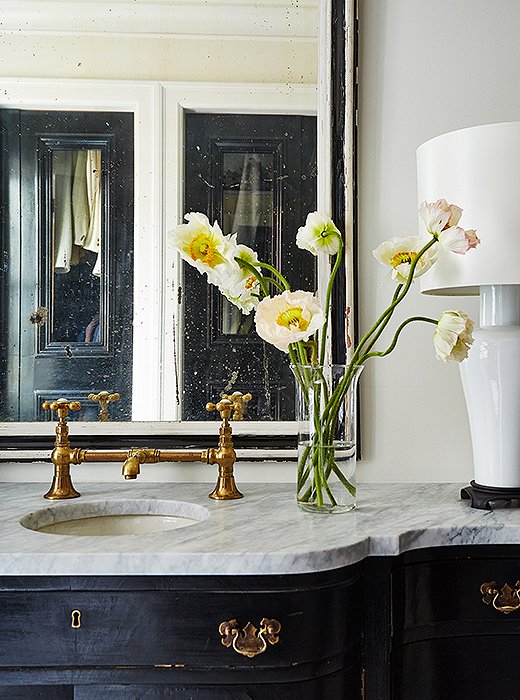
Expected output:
(490, 497)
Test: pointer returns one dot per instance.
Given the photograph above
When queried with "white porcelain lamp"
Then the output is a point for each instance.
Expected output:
(479, 170)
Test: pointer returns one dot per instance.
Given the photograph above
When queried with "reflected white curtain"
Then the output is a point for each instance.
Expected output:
(247, 215)
(77, 207)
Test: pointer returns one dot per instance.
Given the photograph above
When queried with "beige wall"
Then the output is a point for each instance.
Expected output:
(426, 68)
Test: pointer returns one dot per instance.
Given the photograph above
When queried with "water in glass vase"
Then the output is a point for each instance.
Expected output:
(326, 477)
(326, 409)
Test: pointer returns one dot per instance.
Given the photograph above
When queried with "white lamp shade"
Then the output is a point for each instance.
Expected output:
(478, 169)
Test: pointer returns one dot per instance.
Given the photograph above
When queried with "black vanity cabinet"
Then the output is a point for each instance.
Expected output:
(92, 638)
(431, 624)
(448, 639)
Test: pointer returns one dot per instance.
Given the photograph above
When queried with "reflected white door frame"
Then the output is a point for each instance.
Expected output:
(144, 100)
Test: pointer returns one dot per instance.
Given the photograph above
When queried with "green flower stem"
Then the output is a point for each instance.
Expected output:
(274, 282)
(295, 362)
(397, 300)
(326, 486)
(392, 345)
(384, 323)
(346, 483)
(292, 357)
(377, 329)
(321, 462)
(311, 345)
(315, 464)
(331, 467)
(335, 268)
(261, 281)
(276, 273)
(302, 461)
(299, 361)
(319, 479)
(333, 407)
(331, 411)
(301, 353)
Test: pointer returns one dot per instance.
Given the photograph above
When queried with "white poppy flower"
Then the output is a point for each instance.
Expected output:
(319, 235)
(452, 338)
(245, 295)
(457, 240)
(399, 254)
(288, 318)
(204, 246)
(239, 285)
(439, 215)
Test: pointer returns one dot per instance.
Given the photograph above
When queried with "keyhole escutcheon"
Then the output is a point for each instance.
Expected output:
(76, 619)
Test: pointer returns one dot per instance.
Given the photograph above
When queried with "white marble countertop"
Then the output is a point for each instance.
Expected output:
(265, 532)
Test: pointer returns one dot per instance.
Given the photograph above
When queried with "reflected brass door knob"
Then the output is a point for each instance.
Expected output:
(238, 400)
(103, 399)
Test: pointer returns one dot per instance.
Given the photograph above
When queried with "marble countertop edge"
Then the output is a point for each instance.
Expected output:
(265, 533)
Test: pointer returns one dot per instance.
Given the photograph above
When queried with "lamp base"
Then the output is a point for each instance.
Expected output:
(487, 497)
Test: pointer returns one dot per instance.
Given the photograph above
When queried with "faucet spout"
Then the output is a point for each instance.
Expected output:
(131, 468)
(132, 464)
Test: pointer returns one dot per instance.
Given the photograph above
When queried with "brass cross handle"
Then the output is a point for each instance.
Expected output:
(505, 600)
(250, 641)
(103, 399)
(238, 400)
(62, 406)
(224, 407)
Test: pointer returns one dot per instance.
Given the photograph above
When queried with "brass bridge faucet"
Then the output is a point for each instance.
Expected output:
(224, 455)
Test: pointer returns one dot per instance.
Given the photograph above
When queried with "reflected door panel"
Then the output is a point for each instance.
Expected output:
(255, 175)
(71, 180)
(76, 246)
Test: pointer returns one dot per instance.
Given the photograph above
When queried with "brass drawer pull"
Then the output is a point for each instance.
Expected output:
(76, 619)
(250, 641)
(507, 600)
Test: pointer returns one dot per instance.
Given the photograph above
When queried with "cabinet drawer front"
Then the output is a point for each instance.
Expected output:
(458, 668)
(444, 597)
(183, 628)
(35, 629)
(36, 692)
(148, 628)
(335, 686)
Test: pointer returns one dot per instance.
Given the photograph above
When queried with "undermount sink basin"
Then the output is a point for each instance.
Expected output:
(114, 517)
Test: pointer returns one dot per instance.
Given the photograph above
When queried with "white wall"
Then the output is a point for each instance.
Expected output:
(425, 68)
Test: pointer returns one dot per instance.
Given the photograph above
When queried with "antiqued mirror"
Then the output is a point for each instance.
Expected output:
(103, 153)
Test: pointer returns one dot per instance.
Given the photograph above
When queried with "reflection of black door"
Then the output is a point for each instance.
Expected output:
(255, 175)
(69, 321)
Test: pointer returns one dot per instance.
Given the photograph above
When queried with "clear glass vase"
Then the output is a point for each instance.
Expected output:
(326, 411)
